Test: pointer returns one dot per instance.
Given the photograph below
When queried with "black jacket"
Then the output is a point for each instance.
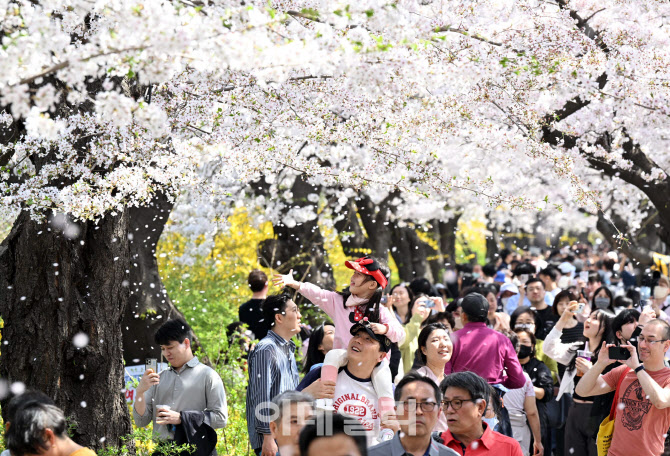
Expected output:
(195, 429)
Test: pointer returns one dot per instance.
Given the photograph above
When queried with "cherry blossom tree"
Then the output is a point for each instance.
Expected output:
(113, 104)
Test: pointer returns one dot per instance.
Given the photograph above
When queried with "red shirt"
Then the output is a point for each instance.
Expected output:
(490, 443)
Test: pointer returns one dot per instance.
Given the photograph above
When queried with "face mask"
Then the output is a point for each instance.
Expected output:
(475, 275)
(492, 422)
(563, 282)
(504, 301)
(602, 303)
(660, 292)
(525, 351)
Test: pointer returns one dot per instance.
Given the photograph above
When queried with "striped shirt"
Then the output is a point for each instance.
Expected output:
(272, 370)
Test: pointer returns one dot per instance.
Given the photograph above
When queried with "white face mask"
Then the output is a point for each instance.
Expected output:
(492, 422)
(504, 301)
(563, 282)
(660, 292)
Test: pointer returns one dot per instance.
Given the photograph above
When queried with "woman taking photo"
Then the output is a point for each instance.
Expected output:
(579, 435)
(435, 349)
(421, 309)
(400, 298)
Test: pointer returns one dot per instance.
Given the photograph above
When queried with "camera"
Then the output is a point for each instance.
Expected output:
(618, 353)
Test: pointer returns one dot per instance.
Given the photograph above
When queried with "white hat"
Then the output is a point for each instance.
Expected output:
(567, 269)
(509, 287)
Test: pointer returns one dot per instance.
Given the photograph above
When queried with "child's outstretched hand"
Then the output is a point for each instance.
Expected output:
(287, 280)
(378, 328)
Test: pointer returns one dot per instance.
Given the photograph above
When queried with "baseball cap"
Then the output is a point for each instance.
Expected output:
(509, 287)
(365, 326)
(475, 305)
(368, 266)
(500, 277)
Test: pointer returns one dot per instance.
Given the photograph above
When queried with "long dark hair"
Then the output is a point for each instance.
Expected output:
(606, 335)
(423, 338)
(314, 355)
(372, 310)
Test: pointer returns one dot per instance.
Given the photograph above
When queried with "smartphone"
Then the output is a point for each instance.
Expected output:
(429, 303)
(523, 278)
(619, 353)
(151, 363)
(580, 308)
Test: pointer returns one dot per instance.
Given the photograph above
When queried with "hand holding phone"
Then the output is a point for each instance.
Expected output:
(150, 376)
(151, 363)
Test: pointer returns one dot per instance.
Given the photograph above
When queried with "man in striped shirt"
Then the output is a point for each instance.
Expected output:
(272, 370)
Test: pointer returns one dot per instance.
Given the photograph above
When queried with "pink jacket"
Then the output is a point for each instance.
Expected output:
(333, 304)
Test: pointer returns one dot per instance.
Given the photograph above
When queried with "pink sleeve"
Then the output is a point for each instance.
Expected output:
(328, 301)
(396, 332)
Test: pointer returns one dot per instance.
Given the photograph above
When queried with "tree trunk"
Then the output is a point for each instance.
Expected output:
(409, 254)
(375, 220)
(300, 247)
(351, 233)
(448, 239)
(149, 304)
(56, 286)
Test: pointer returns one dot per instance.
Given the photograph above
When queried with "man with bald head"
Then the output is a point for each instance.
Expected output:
(643, 387)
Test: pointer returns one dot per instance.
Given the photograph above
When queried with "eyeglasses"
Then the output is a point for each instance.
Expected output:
(456, 404)
(650, 341)
(410, 406)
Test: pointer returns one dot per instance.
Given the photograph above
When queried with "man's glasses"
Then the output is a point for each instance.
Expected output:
(456, 404)
(650, 341)
(411, 406)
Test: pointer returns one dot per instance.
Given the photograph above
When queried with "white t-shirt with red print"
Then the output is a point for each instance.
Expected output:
(355, 397)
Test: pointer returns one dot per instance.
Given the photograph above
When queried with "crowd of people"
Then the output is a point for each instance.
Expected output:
(564, 354)
(555, 354)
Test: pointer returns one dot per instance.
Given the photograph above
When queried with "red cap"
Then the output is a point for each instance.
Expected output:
(370, 267)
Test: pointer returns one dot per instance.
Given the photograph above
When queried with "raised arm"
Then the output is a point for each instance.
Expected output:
(396, 332)
(328, 301)
(593, 383)
(553, 347)
(658, 395)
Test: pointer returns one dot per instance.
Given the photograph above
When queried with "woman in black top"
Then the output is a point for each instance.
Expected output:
(540, 375)
(579, 435)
